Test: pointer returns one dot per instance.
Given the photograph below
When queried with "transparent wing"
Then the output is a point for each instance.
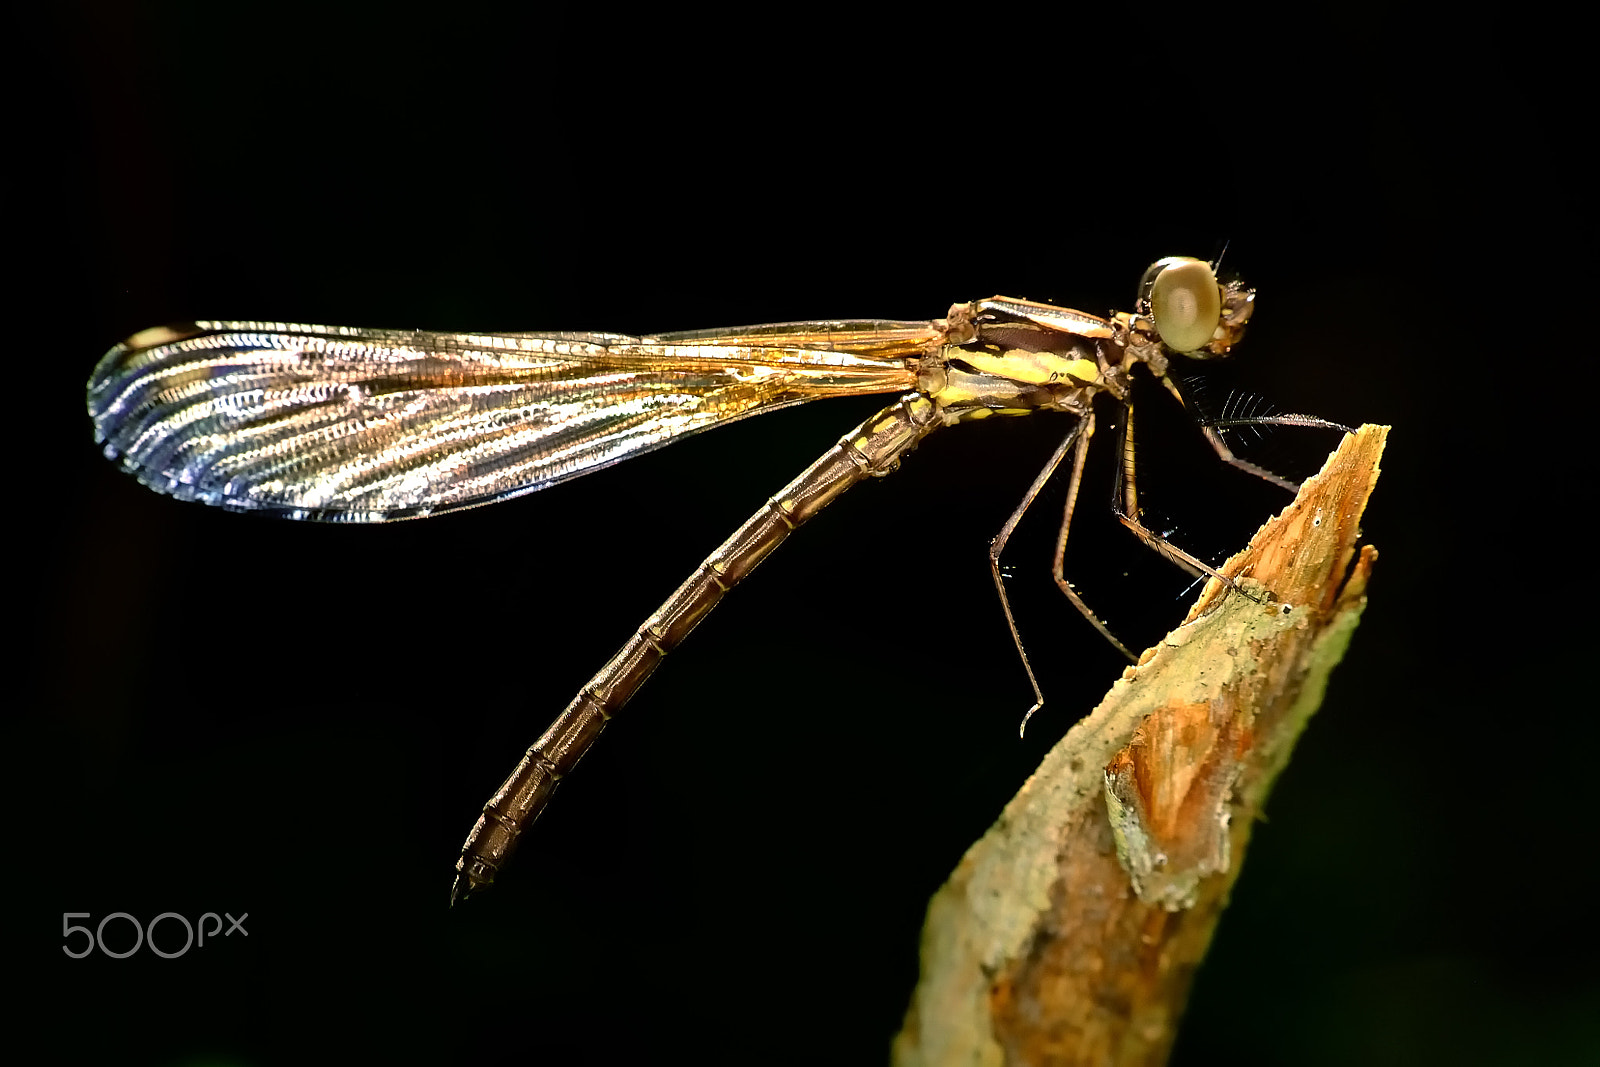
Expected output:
(341, 425)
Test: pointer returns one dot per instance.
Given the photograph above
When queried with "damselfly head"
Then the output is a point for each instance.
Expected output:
(1189, 310)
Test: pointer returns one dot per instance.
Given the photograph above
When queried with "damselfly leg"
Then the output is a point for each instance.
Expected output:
(1125, 506)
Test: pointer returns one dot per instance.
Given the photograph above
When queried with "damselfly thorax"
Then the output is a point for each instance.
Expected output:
(345, 425)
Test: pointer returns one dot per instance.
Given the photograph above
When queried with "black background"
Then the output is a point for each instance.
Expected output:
(300, 722)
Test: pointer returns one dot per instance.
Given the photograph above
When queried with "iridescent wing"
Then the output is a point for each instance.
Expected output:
(342, 425)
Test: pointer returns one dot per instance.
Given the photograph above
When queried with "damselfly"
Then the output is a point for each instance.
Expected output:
(343, 425)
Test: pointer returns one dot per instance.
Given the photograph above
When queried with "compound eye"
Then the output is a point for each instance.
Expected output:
(1185, 303)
